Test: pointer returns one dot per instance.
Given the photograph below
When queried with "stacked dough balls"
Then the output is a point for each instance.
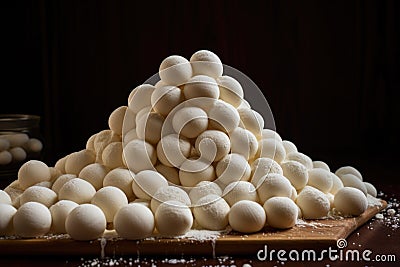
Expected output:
(15, 147)
(187, 152)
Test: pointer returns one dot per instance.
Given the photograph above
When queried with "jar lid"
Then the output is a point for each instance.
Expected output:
(18, 121)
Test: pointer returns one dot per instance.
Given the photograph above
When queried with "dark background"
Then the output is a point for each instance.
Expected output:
(330, 70)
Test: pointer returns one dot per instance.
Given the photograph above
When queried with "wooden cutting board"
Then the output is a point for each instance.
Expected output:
(316, 234)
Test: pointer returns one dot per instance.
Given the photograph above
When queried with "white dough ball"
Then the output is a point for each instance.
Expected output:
(170, 173)
(60, 164)
(14, 190)
(166, 98)
(129, 121)
(296, 172)
(7, 213)
(59, 213)
(241, 190)
(263, 166)
(18, 153)
(252, 121)
(300, 157)
(33, 172)
(61, 180)
(4, 144)
(212, 145)
(102, 140)
(143, 112)
(223, 117)
(336, 183)
(203, 189)
(109, 199)
(78, 160)
(320, 179)
(168, 193)
(16, 139)
(129, 136)
(86, 222)
(54, 174)
(370, 189)
(173, 218)
(211, 212)
(112, 155)
(175, 70)
(201, 86)
(281, 212)
(243, 142)
(39, 194)
(348, 170)
(271, 148)
(233, 167)
(149, 127)
(77, 190)
(244, 104)
(5, 198)
(273, 185)
(173, 150)
(5, 157)
(313, 203)
(321, 164)
(32, 219)
(205, 62)
(293, 196)
(289, 147)
(350, 201)
(134, 221)
(140, 97)
(116, 119)
(94, 173)
(122, 179)
(193, 171)
(230, 90)
(146, 183)
(270, 134)
(247, 216)
(350, 180)
(140, 155)
(190, 121)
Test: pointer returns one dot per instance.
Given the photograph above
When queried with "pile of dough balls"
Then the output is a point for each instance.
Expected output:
(16, 147)
(185, 153)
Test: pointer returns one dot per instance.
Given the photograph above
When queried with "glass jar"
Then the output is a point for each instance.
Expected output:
(20, 141)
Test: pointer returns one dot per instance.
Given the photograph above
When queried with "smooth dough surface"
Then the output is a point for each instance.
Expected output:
(212, 145)
(175, 70)
(33, 172)
(32, 219)
(59, 213)
(146, 183)
(313, 203)
(263, 166)
(173, 218)
(281, 212)
(247, 216)
(273, 185)
(39, 194)
(77, 190)
(94, 173)
(203, 189)
(109, 199)
(231, 168)
(190, 121)
(7, 213)
(296, 172)
(223, 117)
(205, 62)
(320, 179)
(139, 155)
(350, 201)
(121, 178)
(243, 142)
(169, 193)
(238, 191)
(231, 90)
(211, 212)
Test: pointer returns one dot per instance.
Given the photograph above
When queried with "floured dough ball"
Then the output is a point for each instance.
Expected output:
(247, 216)
(116, 119)
(149, 127)
(201, 86)
(140, 97)
(230, 90)
(102, 140)
(238, 191)
(313, 203)
(270, 134)
(167, 193)
(86, 222)
(14, 190)
(211, 212)
(165, 98)
(244, 143)
(170, 173)
(348, 170)
(61, 180)
(5, 157)
(263, 166)
(203, 189)
(205, 62)
(350, 201)
(371, 189)
(273, 185)
(212, 145)
(336, 183)
(7, 213)
(233, 167)
(320, 179)
(122, 179)
(78, 160)
(59, 213)
(143, 112)
(39, 194)
(134, 221)
(33, 172)
(252, 121)
(112, 155)
(193, 171)
(32, 220)
(350, 180)
(289, 147)
(173, 150)
(175, 70)
(300, 157)
(4, 198)
(140, 155)
(281, 212)
(129, 121)
(271, 148)
(129, 136)
(147, 182)
(293, 196)
(18, 154)
(296, 172)
(77, 190)
(60, 164)
(223, 117)
(173, 218)
(94, 174)
(109, 199)
(321, 164)
(190, 121)
(90, 143)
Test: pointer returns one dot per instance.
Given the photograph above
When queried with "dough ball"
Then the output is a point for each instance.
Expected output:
(18, 154)
(203, 189)
(61, 180)
(112, 155)
(193, 171)
(281, 212)
(94, 173)
(300, 157)
(233, 167)
(39, 194)
(140, 97)
(244, 104)
(211, 212)
(109, 199)
(140, 155)
(168, 193)
(273, 185)
(149, 127)
(144, 202)
(5, 157)
(289, 146)
(212, 145)
(371, 189)
(116, 119)
(129, 136)
(350, 201)
(173, 218)
(230, 90)
(223, 117)
(146, 183)
(205, 62)
(59, 213)
(296, 172)
(7, 213)
(336, 183)
(313, 203)
(270, 134)
(54, 174)
(86, 222)
(32, 219)
(238, 191)
(102, 140)
(331, 199)
(321, 164)
(173, 150)
(33, 172)
(60, 164)
(170, 173)
(348, 170)
(190, 121)
(271, 148)
(247, 216)
(16, 139)
(14, 190)
(122, 179)
(77, 190)
(252, 121)
(166, 98)
(5, 198)
(134, 221)
(4, 144)
(263, 166)
(244, 143)
(143, 112)
(293, 196)
(175, 70)
(320, 179)
(350, 180)
(201, 86)
(90, 143)
(78, 160)
(129, 121)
